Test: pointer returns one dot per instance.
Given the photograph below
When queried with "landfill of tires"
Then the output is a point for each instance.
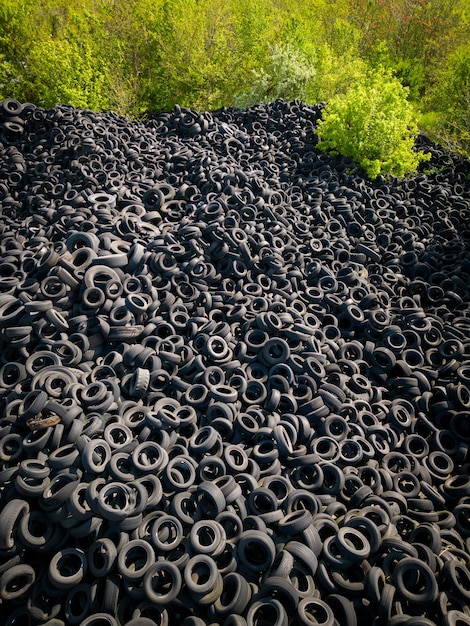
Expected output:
(234, 375)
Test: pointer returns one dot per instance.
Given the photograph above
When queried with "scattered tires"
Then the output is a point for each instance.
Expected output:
(234, 376)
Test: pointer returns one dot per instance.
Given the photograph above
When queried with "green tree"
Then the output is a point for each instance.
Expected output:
(410, 36)
(338, 64)
(448, 103)
(66, 65)
(374, 124)
(53, 52)
(67, 71)
(17, 28)
(123, 41)
(288, 74)
(193, 51)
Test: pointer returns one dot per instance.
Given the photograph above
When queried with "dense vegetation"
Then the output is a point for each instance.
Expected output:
(147, 55)
(374, 124)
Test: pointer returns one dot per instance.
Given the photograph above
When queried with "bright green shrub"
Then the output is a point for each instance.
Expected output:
(68, 71)
(52, 52)
(373, 123)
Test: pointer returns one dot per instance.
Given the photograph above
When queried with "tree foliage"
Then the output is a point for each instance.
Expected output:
(449, 99)
(194, 48)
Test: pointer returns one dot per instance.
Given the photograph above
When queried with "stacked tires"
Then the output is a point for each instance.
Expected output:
(234, 375)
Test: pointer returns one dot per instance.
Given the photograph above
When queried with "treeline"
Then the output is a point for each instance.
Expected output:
(139, 56)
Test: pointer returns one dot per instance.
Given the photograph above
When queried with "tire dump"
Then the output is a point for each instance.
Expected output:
(234, 375)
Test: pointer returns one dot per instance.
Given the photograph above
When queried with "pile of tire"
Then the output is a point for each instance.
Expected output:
(234, 375)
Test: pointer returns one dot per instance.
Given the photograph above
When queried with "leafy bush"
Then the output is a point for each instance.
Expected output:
(194, 55)
(287, 75)
(409, 71)
(334, 73)
(53, 53)
(70, 72)
(448, 119)
(373, 123)
(17, 30)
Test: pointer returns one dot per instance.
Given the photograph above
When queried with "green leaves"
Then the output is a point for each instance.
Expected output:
(68, 71)
(54, 54)
(449, 103)
(288, 74)
(374, 124)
